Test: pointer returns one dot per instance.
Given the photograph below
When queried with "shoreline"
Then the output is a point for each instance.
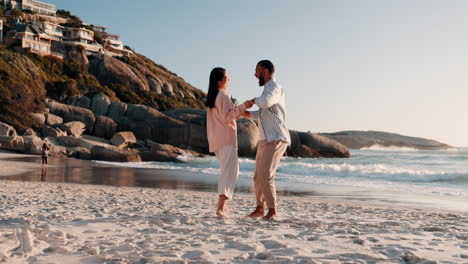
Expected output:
(23, 167)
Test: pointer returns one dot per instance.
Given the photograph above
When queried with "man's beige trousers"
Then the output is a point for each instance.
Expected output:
(266, 162)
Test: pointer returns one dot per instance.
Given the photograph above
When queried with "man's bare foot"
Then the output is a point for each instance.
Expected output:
(259, 212)
(271, 214)
(221, 213)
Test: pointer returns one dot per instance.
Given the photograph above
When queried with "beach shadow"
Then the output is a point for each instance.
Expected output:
(44, 174)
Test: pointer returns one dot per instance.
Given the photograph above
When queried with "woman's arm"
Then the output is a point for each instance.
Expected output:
(227, 109)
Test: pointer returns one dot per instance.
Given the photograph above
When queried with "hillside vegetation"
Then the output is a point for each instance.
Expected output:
(26, 79)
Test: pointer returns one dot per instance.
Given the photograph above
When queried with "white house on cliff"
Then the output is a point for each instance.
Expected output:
(32, 5)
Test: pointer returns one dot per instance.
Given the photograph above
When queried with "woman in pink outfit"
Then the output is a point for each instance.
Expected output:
(222, 133)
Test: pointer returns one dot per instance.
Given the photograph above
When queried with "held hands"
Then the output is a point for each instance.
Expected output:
(249, 103)
(246, 114)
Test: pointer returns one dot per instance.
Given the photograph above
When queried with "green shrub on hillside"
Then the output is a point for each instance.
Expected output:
(125, 95)
(62, 90)
(63, 13)
(20, 91)
(73, 21)
(72, 68)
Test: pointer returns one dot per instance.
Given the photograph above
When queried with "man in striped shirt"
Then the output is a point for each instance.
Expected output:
(274, 138)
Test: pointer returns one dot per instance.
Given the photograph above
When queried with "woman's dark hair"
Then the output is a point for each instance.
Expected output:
(216, 75)
(267, 65)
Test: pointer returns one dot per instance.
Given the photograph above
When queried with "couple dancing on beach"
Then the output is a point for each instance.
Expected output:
(222, 136)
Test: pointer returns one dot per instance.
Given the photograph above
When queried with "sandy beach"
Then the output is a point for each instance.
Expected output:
(42, 222)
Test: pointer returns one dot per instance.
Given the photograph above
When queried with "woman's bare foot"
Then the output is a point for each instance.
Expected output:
(259, 212)
(222, 206)
(221, 213)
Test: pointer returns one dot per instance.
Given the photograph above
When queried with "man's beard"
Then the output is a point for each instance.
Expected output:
(261, 80)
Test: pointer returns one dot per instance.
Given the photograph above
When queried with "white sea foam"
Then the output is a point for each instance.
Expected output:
(437, 172)
(388, 148)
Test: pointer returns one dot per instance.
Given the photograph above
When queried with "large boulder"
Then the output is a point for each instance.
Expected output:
(74, 128)
(112, 153)
(150, 143)
(109, 70)
(14, 143)
(55, 149)
(123, 139)
(38, 118)
(146, 122)
(7, 130)
(97, 139)
(297, 149)
(100, 105)
(80, 101)
(247, 137)
(104, 127)
(304, 151)
(32, 145)
(69, 141)
(54, 132)
(155, 85)
(30, 132)
(53, 120)
(79, 153)
(155, 147)
(192, 134)
(158, 155)
(164, 152)
(328, 148)
(167, 87)
(72, 113)
(117, 111)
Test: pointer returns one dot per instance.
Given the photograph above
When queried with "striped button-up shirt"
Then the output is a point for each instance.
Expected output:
(271, 115)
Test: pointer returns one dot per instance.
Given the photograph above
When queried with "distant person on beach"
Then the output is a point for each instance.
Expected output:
(273, 141)
(44, 153)
(222, 134)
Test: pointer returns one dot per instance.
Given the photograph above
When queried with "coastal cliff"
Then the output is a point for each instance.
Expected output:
(376, 139)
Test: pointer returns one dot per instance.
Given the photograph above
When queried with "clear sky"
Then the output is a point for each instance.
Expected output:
(396, 66)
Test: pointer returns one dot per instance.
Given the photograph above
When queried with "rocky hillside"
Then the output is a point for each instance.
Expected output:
(26, 79)
(365, 139)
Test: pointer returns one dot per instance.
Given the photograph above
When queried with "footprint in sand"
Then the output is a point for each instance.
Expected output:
(272, 244)
(197, 255)
(89, 232)
(241, 246)
(320, 251)
(55, 249)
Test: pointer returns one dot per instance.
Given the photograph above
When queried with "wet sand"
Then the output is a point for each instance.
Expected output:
(88, 172)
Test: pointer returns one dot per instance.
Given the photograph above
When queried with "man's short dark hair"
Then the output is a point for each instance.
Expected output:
(267, 65)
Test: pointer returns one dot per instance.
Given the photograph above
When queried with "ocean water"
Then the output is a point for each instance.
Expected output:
(404, 170)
